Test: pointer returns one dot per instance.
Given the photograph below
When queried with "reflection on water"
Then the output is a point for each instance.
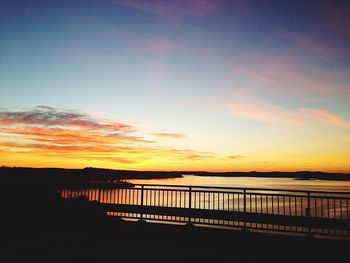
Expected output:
(253, 182)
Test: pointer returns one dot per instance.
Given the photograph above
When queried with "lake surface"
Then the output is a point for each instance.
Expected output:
(253, 182)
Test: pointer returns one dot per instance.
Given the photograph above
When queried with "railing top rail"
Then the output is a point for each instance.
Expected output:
(196, 187)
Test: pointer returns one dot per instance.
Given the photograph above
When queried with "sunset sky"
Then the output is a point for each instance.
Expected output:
(216, 85)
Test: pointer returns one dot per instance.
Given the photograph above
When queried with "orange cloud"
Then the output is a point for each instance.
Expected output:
(56, 133)
(169, 135)
(236, 157)
(70, 136)
(189, 154)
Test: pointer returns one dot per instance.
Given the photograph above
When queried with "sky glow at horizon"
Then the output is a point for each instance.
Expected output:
(175, 85)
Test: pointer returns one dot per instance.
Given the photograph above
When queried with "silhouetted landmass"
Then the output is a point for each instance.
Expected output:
(110, 175)
(79, 175)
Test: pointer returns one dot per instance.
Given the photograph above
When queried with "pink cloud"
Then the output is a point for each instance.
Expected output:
(285, 74)
(270, 113)
(327, 117)
(325, 49)
(160, 46)
(266, 113)
(174, 8)
(336, 15)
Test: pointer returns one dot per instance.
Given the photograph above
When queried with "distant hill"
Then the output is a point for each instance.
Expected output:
(105, 175)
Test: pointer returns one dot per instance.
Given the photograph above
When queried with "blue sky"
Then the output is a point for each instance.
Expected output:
(264, 80)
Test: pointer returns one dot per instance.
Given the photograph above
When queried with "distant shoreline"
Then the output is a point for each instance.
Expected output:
(99, 174)
(300, 175)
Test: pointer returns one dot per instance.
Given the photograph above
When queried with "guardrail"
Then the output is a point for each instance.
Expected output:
(294, 211)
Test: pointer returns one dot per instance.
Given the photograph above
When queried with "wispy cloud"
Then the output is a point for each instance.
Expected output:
(175, 8)
(169, 135)
(325, 49)
(236, 157)
(270, 113)
(160, 45)
(59, 133)
(285, 74)
(336, 15)
(50, 117)
(190, 154)
(326, 117)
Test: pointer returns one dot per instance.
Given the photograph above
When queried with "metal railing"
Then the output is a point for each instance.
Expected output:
(312, 212)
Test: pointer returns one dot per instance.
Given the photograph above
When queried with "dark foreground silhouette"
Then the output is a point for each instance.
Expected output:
(38, 226)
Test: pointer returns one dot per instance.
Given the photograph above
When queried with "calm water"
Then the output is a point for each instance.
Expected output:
(253, 182)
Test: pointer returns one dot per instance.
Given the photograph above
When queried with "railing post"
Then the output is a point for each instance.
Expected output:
(245, 208)
(308, 208)
(245, 200)
(189, 204)
(308, 213)
(142, 187)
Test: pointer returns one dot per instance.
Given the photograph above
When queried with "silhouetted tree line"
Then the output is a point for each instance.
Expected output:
(78, 175)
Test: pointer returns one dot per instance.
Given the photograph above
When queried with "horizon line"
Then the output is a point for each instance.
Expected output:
(177, 171)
